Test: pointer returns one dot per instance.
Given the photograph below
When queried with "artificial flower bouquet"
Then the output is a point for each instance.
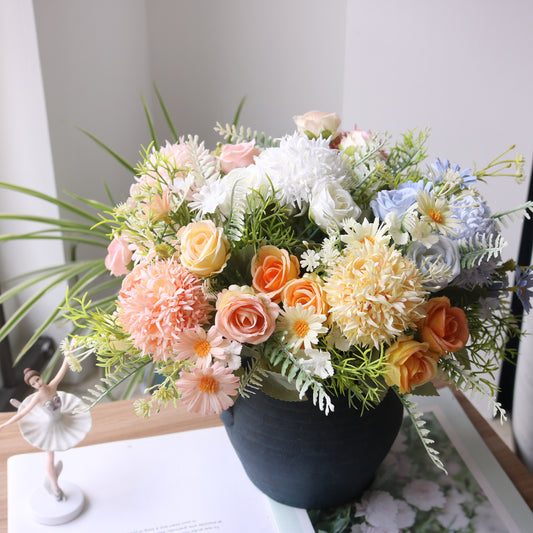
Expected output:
(325, 263)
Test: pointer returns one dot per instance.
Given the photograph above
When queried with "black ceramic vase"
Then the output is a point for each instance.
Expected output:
(298, 456)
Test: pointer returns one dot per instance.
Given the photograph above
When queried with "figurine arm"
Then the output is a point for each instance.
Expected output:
(22, 413)
(60, 374)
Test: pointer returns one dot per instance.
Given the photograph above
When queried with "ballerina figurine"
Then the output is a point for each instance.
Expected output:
(51, 420)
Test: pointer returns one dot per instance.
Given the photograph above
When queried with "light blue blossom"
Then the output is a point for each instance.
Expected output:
(444, 252)
(397, 200)
(474, 215)
(444, 172)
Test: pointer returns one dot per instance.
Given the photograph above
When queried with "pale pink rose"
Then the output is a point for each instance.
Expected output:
(317, 122)
(245, 317)
(237, 156)
(118, 257)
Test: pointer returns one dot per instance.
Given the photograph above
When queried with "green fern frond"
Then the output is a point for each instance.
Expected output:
(518, 213)
(479, 248)
(409, 152)
(419, 423)
(252, 378)
(467, 381)
(108, 384)
(292, 370)
(240, 134)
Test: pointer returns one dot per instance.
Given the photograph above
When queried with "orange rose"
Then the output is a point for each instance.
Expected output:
(245, 317)
(272, 268)
(445, 328)
(410, 364)
(307, 291)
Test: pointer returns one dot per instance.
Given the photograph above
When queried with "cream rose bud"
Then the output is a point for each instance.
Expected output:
(330, 205)
(317, 122)
(237, 156)
(204, 249)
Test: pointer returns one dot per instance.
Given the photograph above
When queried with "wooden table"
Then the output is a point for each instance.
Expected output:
(117, 421)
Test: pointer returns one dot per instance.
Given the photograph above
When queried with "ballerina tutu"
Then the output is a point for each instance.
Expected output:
(57, 425)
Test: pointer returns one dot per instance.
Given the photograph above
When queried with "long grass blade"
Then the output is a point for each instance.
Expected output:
(238, 112)
(50, 199)
(89, 277)
(165, 113)
(150, 124)
(23, 310)
(121, 160)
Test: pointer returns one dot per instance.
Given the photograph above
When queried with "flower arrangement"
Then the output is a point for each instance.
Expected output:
(322, 264)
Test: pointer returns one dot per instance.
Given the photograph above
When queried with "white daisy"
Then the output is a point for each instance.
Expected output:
(359, 233)
(302, 326)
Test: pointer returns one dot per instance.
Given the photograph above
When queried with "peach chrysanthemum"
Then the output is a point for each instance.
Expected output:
(208, 390)
(157, 301)
(375, 294)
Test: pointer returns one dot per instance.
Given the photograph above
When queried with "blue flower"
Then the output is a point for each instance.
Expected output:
(524, 283)
(397, 200)
(443, 167)
(474, 214)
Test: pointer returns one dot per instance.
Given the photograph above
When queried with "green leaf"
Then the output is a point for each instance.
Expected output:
(150, 124)
(60, 203)
(238, 112)
(121, 160)
(165, 113)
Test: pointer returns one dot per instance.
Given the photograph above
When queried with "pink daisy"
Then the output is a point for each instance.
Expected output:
(157, 302)
(200, 346)
(208, 390)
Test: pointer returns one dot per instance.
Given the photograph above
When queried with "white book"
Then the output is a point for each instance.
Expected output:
(186, 482)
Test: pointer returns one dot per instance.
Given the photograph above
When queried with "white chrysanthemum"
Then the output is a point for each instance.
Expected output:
(298, 165)
(317, 362)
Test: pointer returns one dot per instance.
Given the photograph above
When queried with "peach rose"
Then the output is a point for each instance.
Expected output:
(243, 316)
(307, 291)
(445, 328)
(118, 257)
(272, 269)
(204, 249)
(317, 122)
(237, 155)
(410, 364)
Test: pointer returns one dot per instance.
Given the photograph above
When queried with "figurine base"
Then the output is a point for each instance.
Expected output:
(46, 510)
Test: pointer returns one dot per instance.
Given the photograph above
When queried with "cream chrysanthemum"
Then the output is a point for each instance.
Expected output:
(374, 293)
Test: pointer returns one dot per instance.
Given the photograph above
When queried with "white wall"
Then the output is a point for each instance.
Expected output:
(95, 65)
(286, 57)
(25, 155)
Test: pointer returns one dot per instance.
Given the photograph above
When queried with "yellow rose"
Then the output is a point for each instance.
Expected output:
(410, 364)
(204, 249)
